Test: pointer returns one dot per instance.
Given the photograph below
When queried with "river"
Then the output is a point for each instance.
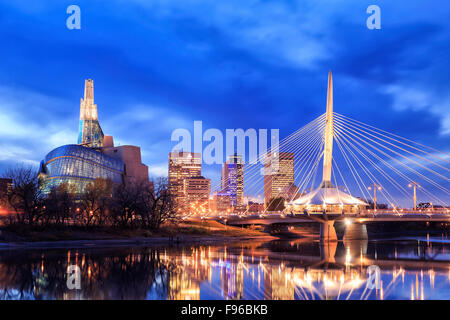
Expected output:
(406, 268)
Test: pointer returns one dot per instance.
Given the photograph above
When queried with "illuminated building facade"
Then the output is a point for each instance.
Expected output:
(196, 191)
(255, 207)
(134, 169)
(6, 185)
(78, 166)
(221, 202)
(93, 157)
(278, 174)
(182, 165)
(233, 179)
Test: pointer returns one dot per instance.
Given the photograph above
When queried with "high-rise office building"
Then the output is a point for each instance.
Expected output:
(220, 202)
(278, 174)
(196, 193)
(233, 179)
(182, 165)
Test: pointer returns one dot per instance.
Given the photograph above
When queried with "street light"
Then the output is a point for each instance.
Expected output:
(374, 186)
(414, 185)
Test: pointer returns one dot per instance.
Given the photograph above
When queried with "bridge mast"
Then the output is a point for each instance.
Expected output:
(329, 133)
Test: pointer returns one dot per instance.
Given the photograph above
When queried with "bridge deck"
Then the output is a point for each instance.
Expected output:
(264, 219)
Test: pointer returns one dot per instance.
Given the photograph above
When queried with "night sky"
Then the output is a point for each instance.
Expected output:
(158, 65)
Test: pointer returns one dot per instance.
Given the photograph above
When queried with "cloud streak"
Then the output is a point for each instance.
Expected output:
(159, 65)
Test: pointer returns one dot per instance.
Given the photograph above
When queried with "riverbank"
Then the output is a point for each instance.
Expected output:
(20, 236)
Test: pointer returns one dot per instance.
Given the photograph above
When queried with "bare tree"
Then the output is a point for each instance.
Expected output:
(59, 204)
(156, 204)
(125, 203)
(95, 202)
(25, 197)
(144, 204)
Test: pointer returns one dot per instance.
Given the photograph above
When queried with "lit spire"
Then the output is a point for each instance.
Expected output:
(329, 133)
(88, 110)
(90, 133)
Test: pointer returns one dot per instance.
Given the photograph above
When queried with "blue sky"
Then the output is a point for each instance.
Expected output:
(159, 65)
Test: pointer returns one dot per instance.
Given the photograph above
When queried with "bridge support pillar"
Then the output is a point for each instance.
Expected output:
(327, 232)
(356, 231)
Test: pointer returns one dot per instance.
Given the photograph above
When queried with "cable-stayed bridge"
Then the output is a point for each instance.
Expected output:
(345, 169)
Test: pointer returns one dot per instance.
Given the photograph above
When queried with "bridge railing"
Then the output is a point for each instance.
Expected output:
(371, 212)
(408, 211)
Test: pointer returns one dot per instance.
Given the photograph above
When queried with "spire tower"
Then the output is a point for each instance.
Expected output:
(329, 133)
(327, 198)
(90, 133)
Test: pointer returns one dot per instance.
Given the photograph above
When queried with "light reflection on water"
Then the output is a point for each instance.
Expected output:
(298, 269)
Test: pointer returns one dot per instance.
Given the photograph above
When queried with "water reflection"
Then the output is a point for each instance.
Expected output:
(299, 269)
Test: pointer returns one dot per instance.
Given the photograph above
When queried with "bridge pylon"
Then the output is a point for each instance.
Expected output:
(327, 231)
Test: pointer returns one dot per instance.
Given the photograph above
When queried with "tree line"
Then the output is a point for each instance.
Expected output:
(102, 203)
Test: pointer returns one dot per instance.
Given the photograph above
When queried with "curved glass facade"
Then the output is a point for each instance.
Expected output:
(78, 166)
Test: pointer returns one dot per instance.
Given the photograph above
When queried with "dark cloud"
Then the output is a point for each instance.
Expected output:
(232, 64)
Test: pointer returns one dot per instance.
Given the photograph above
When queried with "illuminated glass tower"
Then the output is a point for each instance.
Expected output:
(90, 133)
(233, 179)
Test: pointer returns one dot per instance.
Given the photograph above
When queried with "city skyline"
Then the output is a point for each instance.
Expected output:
(280, 181)
(247, 151)
(252, 77)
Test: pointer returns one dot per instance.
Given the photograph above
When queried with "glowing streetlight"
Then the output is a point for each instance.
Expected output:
(414, 185)
(374, 186)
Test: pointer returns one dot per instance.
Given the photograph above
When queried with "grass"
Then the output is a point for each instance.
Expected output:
(14, 233)
(210, 228)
